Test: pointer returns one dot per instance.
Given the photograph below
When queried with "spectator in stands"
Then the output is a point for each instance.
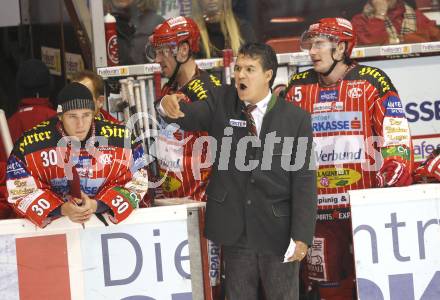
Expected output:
(95, 84)
(135, 22)
(392, 22)
(34, 86)
(219, 28)
(120, 9)
(144, 20)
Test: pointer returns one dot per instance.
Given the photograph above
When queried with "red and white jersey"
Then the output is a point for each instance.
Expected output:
(109, 165)
(355, 120)
(180, 156)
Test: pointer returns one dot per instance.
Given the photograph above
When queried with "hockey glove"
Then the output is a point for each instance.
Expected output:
(394, 173)
(429, 170)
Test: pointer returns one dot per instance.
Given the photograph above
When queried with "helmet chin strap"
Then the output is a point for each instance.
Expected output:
(173, 77)
(332, 67)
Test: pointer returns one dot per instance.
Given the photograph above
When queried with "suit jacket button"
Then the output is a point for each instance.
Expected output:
(252, 180)
(249, 202)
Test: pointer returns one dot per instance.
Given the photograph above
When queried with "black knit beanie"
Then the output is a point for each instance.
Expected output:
(75, 96)
(33, 80)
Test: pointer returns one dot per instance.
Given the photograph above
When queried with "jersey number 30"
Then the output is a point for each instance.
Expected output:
(40, 206)
(49, 158)
(120, 204)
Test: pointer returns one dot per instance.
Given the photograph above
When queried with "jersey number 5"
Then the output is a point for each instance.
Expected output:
(298, 94)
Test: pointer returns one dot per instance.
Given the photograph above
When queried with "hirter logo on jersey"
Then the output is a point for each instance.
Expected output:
(328, 95)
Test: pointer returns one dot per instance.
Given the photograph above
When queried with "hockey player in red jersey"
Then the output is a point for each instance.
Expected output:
(173, 45)
(109, 164)
(362, 140)
(184, 162)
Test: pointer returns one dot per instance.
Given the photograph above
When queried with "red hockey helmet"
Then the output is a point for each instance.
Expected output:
(174, 31)
(334, 29)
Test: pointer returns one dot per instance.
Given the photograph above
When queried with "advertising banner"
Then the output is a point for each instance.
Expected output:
(145, 259)
(396, 242)
(52, 58)
(416, 80)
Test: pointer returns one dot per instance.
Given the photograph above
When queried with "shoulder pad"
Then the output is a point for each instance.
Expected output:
(199, 88)
(308, 76)
(378, 78)
(39, 137)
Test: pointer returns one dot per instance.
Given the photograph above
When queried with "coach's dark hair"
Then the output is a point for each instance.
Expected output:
(265, 54)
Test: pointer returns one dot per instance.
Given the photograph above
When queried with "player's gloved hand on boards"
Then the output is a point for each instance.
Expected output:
(429, 170)
(394, 172)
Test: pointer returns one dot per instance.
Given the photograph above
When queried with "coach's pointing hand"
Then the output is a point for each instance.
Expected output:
(170, 106)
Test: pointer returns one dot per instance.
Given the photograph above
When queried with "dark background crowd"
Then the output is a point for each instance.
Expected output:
(279, 23)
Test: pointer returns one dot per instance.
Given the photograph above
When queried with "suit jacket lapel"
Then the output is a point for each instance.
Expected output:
(271, 112)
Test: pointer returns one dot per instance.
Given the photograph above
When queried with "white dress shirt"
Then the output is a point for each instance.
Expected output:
(259, 111)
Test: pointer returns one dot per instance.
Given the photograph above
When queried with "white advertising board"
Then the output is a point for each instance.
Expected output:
(146, 257)
(396, 242)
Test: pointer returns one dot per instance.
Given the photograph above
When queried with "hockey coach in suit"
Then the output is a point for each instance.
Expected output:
(261, 197)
